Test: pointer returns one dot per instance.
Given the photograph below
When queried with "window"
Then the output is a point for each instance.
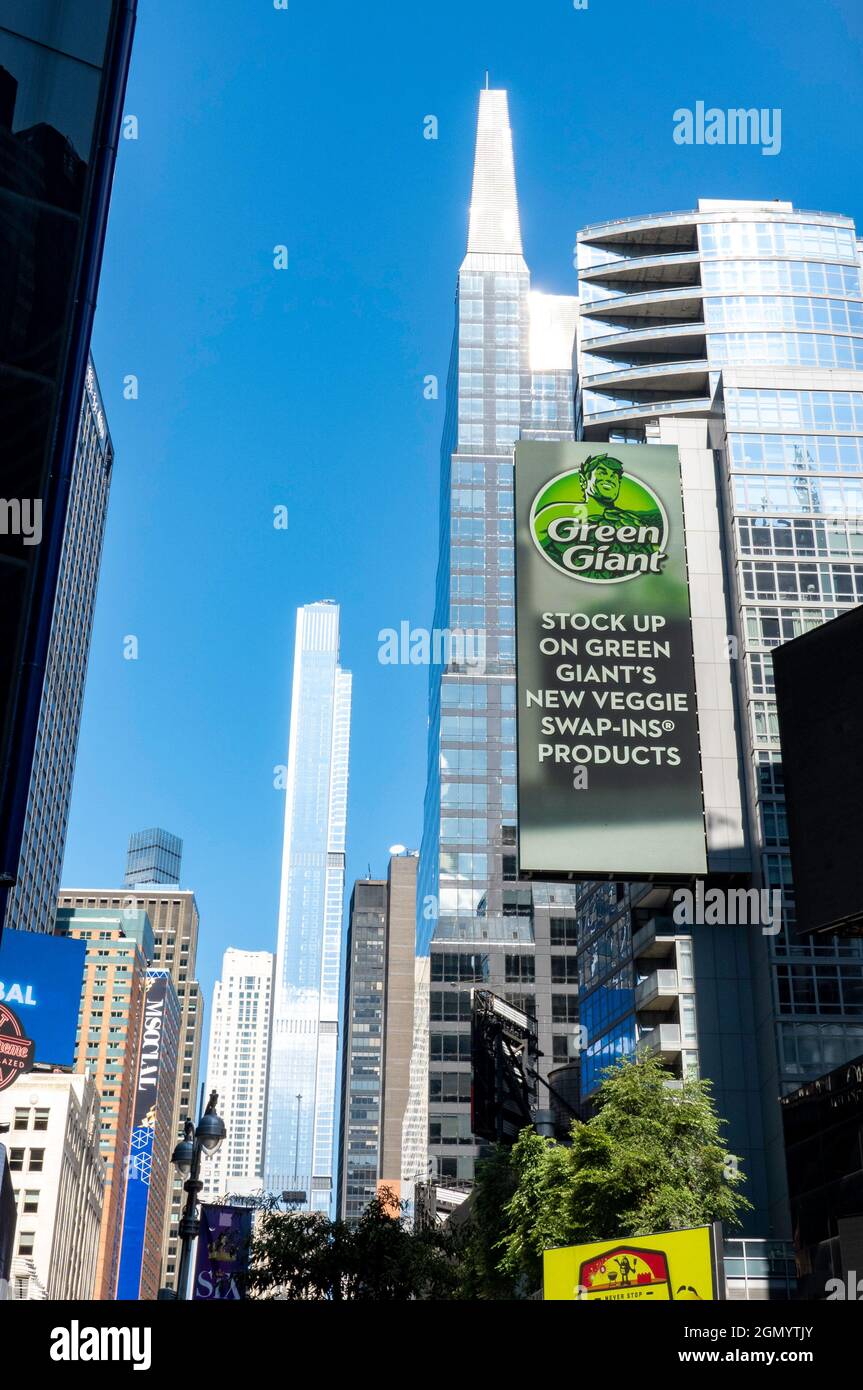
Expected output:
(30, 1203)
(16, 1160)
(564, 1008)
(564, 931)
(36, 1161)
(520, 969)
(22, 1119)
(26, 1241)
(564, 970)
(41, 1120)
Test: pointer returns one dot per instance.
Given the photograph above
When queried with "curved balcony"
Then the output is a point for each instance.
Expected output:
(674, 376)
(671, 337)
(673, 267)
(599, 420)
(685, 301)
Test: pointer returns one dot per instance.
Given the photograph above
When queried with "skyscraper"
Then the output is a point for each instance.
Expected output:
(237, 1068)
(33, 900)
(734, 331)
(301, 1102)
(378, 1033)
(63, 71)
(153, 856)
(510, 377)
(173, 914)
(108, 1048)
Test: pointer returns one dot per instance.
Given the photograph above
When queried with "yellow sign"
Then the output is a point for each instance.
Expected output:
(674, 1266)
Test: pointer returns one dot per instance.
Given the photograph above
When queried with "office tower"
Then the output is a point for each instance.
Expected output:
(173, 915)
(363, 1056)
(32, 901)
(735, 332)
(237, 1068)
(398, 1011)
(50, 1125)
(62, 81)
(148, 1174)
(301, 1101)
(510, 377)
(108, 1047)
(154, 856)
(378, 1031)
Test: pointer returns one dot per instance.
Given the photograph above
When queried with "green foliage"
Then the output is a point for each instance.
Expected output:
(651, 1158)
(303, 1255)
(476, 1241)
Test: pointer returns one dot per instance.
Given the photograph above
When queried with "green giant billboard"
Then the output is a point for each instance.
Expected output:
(609, 769)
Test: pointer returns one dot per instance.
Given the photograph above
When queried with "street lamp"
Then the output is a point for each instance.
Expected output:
(186, 1158)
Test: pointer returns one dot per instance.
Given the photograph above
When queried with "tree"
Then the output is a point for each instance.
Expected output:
(304, 1255)
(476, 1241)
(650, 1158)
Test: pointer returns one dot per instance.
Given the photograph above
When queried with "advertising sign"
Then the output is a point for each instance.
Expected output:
(676, 1266)
(16, 1049)
(140, 1166)
(609, 769)
(223, 1253)
(41, 978)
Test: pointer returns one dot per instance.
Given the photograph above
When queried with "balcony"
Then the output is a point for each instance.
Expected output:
(659, 991)
(663, 1041)
(688, 376)
(670, 337)
(655, 938)
(670, 267)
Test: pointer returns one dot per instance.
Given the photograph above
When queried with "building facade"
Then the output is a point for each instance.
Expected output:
(173, 915)
(52, 1131)
(510, 377)
(378, 1034)
(63, 74)
(237, 1068)
(108, 1048)
(33, 900)
(302, 1102)
(153, 856)
(363, 1052)
(735, 332)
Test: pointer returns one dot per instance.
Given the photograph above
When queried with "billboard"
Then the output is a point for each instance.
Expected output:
(223, 1253)
(41, 978)
(151, 1078)
(609, 766)
(675, 1266)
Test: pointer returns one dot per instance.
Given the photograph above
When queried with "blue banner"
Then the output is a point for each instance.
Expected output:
(41, 978)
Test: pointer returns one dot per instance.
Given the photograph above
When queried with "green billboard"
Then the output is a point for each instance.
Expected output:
(609, 769)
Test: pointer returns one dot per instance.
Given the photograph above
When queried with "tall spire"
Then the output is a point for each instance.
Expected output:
(494, 222)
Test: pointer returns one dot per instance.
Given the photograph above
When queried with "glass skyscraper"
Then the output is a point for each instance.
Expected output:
(302, 1101)
(510, 377)
(735, 332)
(153, 856)
(33, 899)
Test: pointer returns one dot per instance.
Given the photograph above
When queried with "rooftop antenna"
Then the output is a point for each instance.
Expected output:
(486, 79)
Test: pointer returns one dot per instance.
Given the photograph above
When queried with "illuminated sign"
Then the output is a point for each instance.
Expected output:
(16, 1049)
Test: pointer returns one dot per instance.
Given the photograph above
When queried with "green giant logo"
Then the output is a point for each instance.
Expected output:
(600, 524)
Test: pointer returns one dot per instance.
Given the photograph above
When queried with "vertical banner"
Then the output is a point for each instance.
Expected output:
(140, 1166)
(223, 1253)
(609, 770)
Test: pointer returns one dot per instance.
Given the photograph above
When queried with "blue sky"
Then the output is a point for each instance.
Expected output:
(303, 388)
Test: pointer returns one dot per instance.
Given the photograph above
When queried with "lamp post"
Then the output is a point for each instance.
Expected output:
(186, 1158)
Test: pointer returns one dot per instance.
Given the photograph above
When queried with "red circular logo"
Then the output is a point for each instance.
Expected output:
(16, 1049)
